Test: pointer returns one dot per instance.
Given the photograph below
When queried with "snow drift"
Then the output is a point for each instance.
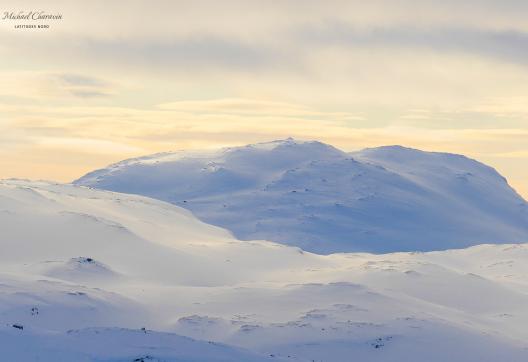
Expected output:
(91, 275)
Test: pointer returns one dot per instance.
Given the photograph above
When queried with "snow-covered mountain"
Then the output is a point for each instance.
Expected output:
(90, 275)
(314, 196)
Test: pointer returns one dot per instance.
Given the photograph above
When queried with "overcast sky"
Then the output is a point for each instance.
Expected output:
(118, 79)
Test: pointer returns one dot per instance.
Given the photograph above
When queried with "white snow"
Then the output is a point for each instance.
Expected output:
(82, 271)
(323, 200)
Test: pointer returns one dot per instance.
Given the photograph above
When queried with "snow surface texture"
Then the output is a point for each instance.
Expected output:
(89, 275)
(314, 196)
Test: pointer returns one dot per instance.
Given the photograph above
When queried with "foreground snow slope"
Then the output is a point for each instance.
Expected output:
(83, 271)
(323, 200)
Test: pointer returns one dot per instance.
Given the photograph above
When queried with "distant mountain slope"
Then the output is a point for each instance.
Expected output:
(315, 196)
(91, 275)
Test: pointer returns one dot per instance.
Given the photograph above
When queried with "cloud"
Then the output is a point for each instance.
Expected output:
(506, 45)
(81, 80)
(522, 154)
(195, 52)
(89, 145)
(223, 120)
(83, 86)
(52, 85)
(255, 108)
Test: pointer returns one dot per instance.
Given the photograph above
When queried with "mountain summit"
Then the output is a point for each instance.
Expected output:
(324, 200)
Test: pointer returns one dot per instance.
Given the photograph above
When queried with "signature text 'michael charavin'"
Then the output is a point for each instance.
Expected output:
(30, 15)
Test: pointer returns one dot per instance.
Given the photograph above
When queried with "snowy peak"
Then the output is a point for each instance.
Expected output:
(312, 195)
(77, 269)
(463, 177)
(278, 155)
(403, 158)
(288, 147)
(208, 172)
(311, 147)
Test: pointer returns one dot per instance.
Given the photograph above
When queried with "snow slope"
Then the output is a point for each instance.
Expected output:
(314, 196)
(83, 271)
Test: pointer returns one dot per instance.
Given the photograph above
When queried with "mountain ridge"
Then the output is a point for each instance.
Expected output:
(317, 197)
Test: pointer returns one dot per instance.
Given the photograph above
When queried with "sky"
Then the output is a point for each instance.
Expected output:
(119, 79)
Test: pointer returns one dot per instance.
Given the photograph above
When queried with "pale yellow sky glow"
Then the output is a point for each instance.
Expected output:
(120, 79)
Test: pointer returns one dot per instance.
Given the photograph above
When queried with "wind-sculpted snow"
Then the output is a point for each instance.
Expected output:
(88, 275)
(323, 200)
